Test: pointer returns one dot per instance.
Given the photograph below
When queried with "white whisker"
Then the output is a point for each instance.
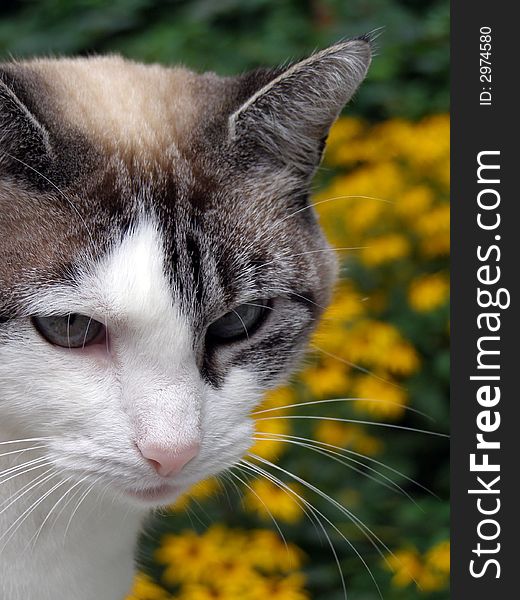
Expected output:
(391, 485)
(242, 321)
(21, 469)
(19, 521)
(23, 490)
(314, 204)
(37, 439)
(298, 499)
(369, 534)
(21, 451)
(348, 451)
(311, 403)
(271, 516)
(328, 249)
(223, 479)
(361, 526)
(358, 421)
(315, 512)
(80, 502)
(35, 537)
(69, 500)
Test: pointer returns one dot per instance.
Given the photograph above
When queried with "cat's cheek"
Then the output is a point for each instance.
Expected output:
(236, 442)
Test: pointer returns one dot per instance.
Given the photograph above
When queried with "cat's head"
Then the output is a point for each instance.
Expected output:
(160, 263)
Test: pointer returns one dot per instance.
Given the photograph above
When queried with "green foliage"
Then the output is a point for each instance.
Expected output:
(409, 77)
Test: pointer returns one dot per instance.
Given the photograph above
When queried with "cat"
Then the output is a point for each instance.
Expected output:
(161, 267)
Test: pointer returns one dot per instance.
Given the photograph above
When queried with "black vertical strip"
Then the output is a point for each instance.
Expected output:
(193, 252)
(485, 127)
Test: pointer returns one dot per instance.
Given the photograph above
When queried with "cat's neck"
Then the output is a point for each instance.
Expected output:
(46, 550)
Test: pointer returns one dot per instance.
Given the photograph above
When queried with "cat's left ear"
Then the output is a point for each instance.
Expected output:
(24, 141)
(288, 119)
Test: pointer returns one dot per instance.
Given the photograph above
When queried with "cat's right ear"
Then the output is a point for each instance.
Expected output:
(24, 141)
(287, 119)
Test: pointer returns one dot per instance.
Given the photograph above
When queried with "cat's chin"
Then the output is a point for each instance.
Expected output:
(154, 496)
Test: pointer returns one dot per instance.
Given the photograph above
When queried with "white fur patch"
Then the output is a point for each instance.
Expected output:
(93, 409)
(108, 98)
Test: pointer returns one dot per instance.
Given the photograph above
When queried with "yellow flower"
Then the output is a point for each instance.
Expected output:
(334, 433)
(379, 398)
(200, 491)
(232, 589)
(433, 142)
(438, 557)
(347, 435)
(414, 202)
(269, 501)
(422, 144)
(327, 379)
(188, 555)
(434, 230)
(385, 248)
(430, 573)
(145, 589)
(231, 564)
(362, 214)
(290, 587)
(268, 552)
(384, 180)
(256, 587)
(280, 397)
(428, 292)
(397, 138)
(403, 360)
(346, 305)
(442, 173)
(269, 446)
(232, 574)
(339, 142)
(406, 566)
(429, 581)
(377, 344)
(200, 591)
(329, 337)
(436, 570)
(344, 130)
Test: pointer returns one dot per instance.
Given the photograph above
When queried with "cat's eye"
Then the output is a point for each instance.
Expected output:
(239, 323)
(70, 331)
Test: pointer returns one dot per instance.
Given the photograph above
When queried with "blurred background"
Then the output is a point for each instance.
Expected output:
(360, 493)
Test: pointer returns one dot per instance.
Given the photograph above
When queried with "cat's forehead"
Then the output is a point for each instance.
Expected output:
(219, 240)
(124, 135)
(120, 105)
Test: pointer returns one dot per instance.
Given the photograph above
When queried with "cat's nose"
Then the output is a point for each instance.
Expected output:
(166, 460)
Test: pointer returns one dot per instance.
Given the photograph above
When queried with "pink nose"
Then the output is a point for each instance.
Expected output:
(168, 461)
